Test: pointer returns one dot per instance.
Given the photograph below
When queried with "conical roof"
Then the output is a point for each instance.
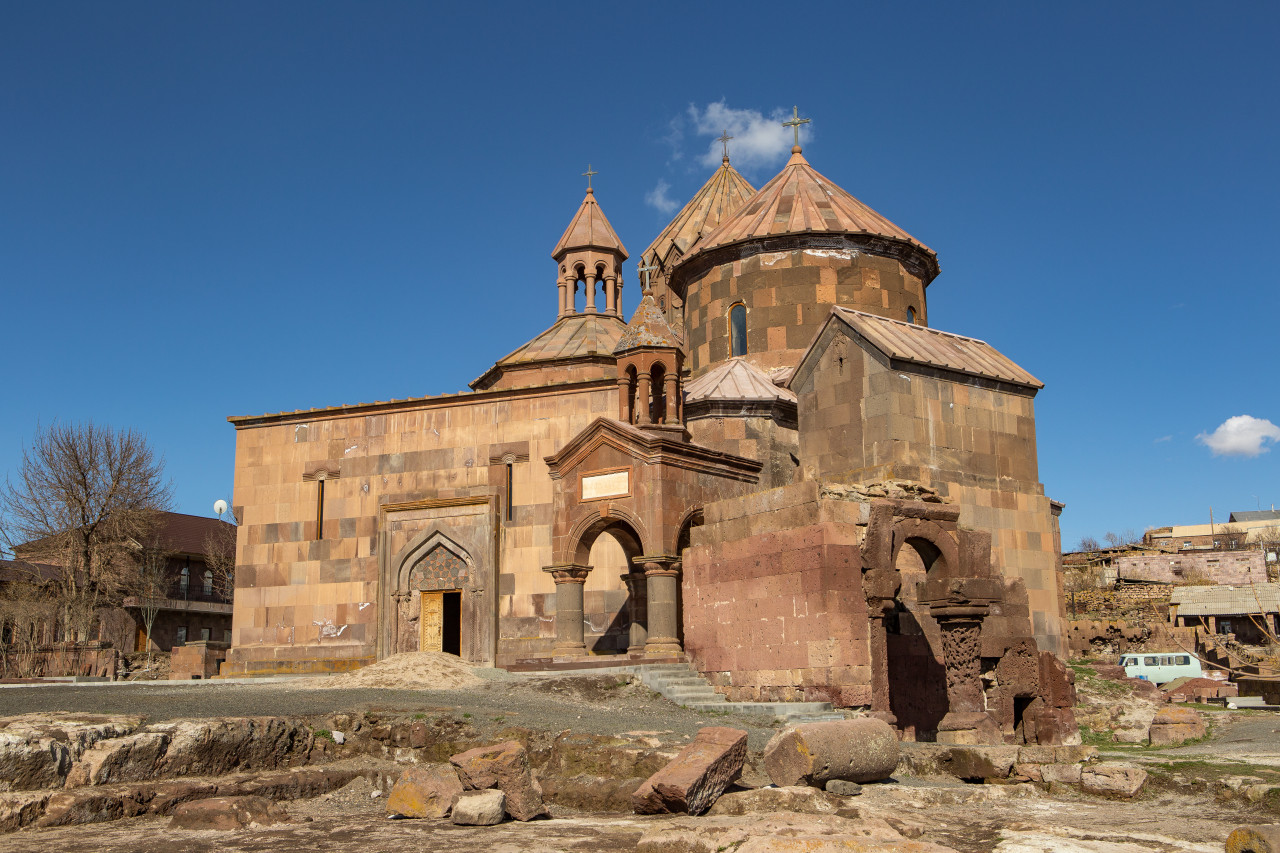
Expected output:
(648, 328)
(720, 197)
(800, 200)
(589, 229)
(576, 336)
(735, 380)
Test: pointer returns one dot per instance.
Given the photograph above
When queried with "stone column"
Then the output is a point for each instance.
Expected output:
(610, 295)
(670, 382)
(624, 398)
(561, 286)
(878, 610)
(643, 381)
(570, 295)
(959, 605)
(637, 611)
(569, 580)
(662, 581)
(590, 278)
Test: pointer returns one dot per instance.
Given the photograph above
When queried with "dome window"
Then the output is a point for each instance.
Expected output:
(738, 329)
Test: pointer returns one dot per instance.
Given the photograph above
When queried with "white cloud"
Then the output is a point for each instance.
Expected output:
(758, 140)
(658, 198)
(1241, 435)
(1163, 438)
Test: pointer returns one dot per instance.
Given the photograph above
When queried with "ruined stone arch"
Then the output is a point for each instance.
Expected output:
(936, 546)
(691, 519)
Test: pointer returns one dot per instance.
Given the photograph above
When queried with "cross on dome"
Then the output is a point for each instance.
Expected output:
(587, 174)
(644, 271)
(725, 139)
(795, 123)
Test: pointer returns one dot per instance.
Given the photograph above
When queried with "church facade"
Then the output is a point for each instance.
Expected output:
(775, 469)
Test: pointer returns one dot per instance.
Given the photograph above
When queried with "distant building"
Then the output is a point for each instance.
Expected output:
(1250, 612)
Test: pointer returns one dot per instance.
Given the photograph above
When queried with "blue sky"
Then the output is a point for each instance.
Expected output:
(234, 208)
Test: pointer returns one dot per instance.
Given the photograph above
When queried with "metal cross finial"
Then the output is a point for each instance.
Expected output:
(795, 123)
(644, 271)
(725, 139)
(587, 174)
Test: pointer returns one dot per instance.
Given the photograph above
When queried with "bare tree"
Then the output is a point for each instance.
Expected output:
(1088, 543)
(1122, 539)
(1268, 541)
(1230, 537)
(149, 582)
(26, 616)
(85, 496)
(220, 558)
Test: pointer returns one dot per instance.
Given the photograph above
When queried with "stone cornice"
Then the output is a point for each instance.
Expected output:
(919, 261)
(651, 449)
(464, 398)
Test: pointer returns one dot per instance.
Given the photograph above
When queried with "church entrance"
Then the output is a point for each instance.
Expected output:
(440, 622)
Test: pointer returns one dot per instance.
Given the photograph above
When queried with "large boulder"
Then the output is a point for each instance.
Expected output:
(1173, 725)
(861, 750)
(504, 766)
(1113, 780)
(479, 808)
(228, 813)
(979, 763)
(424, 792)
(29, 761)
(133, 758)
(1254, 839)
(693, 780)
(211, 747)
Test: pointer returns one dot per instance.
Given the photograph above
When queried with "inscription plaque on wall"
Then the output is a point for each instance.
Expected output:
(606, 485)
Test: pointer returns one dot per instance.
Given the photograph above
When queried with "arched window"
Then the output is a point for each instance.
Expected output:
(738, 329)
(911, 314)
(208, 582)
(184, 581)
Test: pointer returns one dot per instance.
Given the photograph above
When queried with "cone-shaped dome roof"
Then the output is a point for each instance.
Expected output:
(800, 200)
(589, 229)
(736, 380)
(648, 328)
(720, 197)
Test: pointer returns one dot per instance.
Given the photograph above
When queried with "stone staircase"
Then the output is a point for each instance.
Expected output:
(685, 686)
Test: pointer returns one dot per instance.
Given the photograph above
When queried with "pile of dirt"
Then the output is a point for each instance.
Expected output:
(1111, 706)
(409, 671)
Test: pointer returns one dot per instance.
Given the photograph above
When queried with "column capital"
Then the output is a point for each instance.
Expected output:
(568, 573)
(658, 565)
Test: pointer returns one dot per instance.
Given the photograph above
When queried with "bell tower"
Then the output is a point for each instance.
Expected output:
(590, 255)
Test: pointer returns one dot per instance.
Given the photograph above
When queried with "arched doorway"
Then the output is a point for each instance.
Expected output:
(917, 677)
(612, 594)
(428, 598)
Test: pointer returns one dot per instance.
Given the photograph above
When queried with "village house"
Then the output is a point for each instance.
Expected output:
(776, 468)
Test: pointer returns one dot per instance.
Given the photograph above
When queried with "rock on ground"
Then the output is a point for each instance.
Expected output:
(479, 808)
(777, 833)
(1254, 839)
(1173, 725)
(693, 780)
(228, 813)
(799, 800)
(424, 792)
(506, 767)
(861, 750)
(1113, 780)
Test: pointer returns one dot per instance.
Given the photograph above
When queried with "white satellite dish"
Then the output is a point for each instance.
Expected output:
(219, 507)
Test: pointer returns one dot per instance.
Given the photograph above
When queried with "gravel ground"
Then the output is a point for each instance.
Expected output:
(594, 704)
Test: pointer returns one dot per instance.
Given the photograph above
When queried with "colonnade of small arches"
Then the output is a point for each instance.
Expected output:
(588, 279)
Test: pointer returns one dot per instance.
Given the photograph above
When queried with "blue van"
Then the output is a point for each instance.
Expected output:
(1160, 667)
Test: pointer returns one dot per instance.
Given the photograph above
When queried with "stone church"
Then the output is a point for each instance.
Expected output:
(775, 469)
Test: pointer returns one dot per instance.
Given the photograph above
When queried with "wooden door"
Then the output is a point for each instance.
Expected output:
(432, 622)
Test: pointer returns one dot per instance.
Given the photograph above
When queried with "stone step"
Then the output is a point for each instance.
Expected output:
(682, 681)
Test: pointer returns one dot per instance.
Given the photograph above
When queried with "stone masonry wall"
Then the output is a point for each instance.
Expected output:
(302, 598)
(862, 421)
(788, 296)
(773, 602)
(1221, 567)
